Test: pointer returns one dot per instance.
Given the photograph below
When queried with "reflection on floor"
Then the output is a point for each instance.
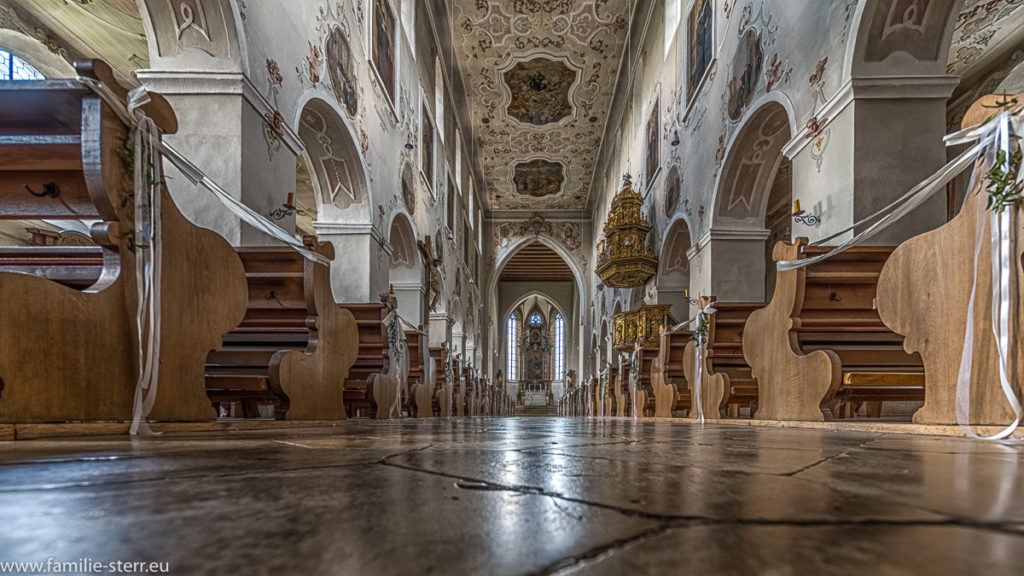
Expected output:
(519, 496)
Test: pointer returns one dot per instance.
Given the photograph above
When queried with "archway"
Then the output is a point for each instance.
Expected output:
(539, 266)
(752, 178)
(341, 196)
(406, 270)
(674, 269)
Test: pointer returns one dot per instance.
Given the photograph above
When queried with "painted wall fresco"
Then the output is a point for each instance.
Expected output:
(700, 44)
(339, 68)
(383, 55)
(746, 72)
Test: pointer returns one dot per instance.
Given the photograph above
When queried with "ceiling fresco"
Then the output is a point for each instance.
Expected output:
(540, 91)
(535, 72)
(982, 28)
(538, 178)
(111, 30)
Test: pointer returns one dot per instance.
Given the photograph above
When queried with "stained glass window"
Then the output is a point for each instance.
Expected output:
(512, 335)
(559, 358)
(14, 68)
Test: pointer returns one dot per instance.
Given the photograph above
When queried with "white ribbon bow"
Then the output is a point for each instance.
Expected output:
(699, 357)
(147, 245)
(996, 137)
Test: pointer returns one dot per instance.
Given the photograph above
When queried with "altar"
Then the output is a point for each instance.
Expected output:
(535, 399)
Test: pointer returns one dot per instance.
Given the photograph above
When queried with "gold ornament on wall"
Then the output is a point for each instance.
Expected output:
(625, 259)
(640, 326)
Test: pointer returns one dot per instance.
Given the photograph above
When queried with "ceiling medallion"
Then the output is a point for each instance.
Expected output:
(538, 178)
(625, 258)
(539, 90)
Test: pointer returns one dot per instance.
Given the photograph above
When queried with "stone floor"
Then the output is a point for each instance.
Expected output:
(519, 496)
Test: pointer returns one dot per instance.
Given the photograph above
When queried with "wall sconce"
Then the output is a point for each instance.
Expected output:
(287, 209)
(675, 138)
(801, 217)
(690, 301)
(408, 142)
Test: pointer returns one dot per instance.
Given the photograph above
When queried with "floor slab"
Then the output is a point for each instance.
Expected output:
(517, 496)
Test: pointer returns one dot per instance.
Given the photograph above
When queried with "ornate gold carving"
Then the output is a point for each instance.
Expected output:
(640, 326)
(625, 258)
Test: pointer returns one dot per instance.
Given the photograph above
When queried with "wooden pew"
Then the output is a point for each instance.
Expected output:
(924, 292)
(77, 267)
(423, 374)
(370, 360)
(675, 396)
(617, 391)
(442, 396)
(820, 344)
(645, 397)
(68, 351)
(294, 348)
(726, 381)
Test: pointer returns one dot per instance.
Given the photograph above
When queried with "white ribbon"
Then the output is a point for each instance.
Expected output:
(699, 357)
(199, 178)
(990, 138)
(148, 259)
(1001, 246)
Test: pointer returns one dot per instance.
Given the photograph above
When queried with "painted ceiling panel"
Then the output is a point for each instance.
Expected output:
(539, 75)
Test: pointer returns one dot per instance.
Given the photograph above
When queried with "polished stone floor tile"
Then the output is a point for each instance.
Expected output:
(519, 496)
(876, 550)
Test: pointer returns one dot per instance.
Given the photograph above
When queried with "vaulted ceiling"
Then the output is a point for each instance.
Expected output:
(536, 263)
(73, 29)
(540, 75)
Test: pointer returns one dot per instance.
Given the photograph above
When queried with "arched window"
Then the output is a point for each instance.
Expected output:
(14, 68)
(536, 320)
(559, 359)
(512, 336)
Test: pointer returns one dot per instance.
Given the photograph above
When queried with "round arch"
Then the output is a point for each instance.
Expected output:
(195, 34)
(36, 54)
(753, 156)
(674, 267)
(405, 269)
(889, 41)
(340, 179)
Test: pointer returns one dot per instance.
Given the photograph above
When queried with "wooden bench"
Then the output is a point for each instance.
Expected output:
(442, 396)
(727, 386)
(294, 347)
(924, 292)
(676, 394)
(372, 343)
(77, 267)
(820, 344)
(68, 345)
